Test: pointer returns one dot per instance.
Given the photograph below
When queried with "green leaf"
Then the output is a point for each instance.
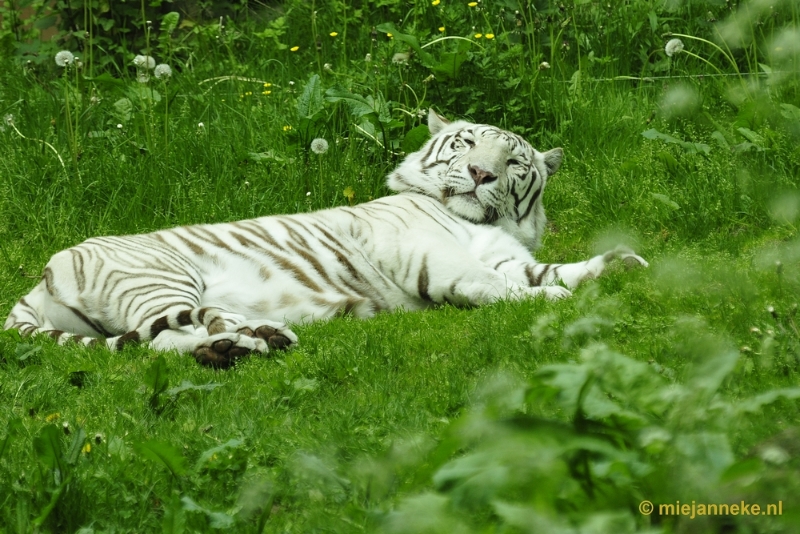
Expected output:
(664, 199)
(13, 428)
(754, 404)
(144, 93)
(169, 22)
(410, 40)
(45, 23)
(359, 106)
(750, 467)
(310, 102)
(164, 454)
(123, 109)
(720, 139)
(188, 386)
(751, 136)
(217, 520)
(790, 112)
(75, 447)
(227, 456)
(48, 448)
(23, 351)
(174, 521)
(415, 138)
(449, 63)
(156, 378)
(708, 374)
(692, 148)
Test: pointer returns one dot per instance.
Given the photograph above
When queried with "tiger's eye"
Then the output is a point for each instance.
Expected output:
(470, 142)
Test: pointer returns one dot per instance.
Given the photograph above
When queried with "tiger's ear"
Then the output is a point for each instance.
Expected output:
(552, 160)
(436, 122)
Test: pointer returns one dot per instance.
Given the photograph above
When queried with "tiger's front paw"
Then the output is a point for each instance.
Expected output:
(276, 335)
(222, 350)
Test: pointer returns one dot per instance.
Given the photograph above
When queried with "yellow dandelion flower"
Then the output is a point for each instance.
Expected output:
(87, 448)
(267, 84)
(441, 29)
(489, 36)
(435, 3)
(334, 34)
(248, 93)
(478, 35)
(287, 128)
(472, 4)
(266, 92)
(294, 48)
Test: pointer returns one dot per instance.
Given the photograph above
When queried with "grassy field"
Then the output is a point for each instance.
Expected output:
(676, 384)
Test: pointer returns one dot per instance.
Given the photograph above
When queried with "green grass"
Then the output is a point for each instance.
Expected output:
(510, 417)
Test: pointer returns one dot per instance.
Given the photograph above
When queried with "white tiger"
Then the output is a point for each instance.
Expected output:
(467, 212)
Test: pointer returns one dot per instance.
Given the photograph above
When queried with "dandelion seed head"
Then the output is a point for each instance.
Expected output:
(401, 58)
(143, 78)
(144, 62)
(308, 193)
(119, 126)
(64, 58)
(319, 146)
(201, 125)
(8, 119)
(673, 47)
(368, 58)
(162, 72)
(327, 67)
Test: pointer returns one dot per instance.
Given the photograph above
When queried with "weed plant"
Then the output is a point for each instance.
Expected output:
(674, 385)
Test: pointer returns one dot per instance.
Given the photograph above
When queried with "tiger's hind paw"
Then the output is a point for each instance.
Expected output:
(222, 350)
(628, 257)
(276, 335)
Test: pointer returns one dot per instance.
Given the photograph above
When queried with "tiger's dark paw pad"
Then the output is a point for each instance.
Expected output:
(276, 335)
(223, 350)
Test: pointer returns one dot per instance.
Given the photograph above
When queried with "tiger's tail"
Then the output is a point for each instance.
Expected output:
(39, 314)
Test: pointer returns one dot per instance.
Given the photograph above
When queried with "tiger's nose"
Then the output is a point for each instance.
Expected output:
(481, 176)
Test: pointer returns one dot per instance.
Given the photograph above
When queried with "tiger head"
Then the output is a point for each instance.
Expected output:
(481, 173)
